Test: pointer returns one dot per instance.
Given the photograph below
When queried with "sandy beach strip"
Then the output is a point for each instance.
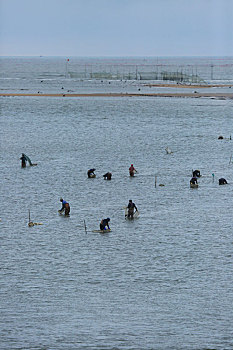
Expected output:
(217, 95)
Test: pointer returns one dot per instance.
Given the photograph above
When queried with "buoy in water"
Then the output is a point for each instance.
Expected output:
(30, 224)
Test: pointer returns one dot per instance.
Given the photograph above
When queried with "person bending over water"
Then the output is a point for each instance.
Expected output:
(196, 173)
(91, 173)
(65, 207)
(107, 176)
(193, 180)
(222, 181)
(104, 224)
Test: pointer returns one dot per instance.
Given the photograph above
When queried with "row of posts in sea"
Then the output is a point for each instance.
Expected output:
(176, 76)
(135, 72)
(183, 72)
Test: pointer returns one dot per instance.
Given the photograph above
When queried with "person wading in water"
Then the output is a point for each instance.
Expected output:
(132, 170)
(131, 206)
(65, 207)
(24, 159)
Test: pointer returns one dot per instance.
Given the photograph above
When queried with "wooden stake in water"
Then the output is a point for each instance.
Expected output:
(85, 227)
(30, 224)
(155, 180)
(67, 67)
(212, 71)
(230, 159)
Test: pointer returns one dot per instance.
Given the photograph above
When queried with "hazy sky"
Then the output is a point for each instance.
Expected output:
(116, 27)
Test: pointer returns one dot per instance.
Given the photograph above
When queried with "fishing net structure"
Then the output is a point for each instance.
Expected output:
(187, 73)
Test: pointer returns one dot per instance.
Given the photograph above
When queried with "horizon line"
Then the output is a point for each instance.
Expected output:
(118, 56)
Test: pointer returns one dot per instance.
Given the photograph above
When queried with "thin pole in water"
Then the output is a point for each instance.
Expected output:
(212, 71)
(67, 67)
(85, 227)
(29, 219)
(155, 180)
(230, 159)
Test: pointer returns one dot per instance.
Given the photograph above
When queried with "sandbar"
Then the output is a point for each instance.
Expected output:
(217, 95)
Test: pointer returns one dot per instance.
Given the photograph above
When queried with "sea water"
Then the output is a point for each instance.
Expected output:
(161, 281)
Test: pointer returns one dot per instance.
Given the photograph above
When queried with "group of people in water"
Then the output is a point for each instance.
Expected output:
(104, 224)
(197, 174)
(65, 209)
(131, 208)
(108, 175)
(91, 174)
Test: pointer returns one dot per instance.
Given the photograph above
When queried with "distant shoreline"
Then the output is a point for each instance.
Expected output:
(218, 95)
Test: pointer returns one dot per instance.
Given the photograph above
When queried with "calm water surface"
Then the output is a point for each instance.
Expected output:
(163, 281)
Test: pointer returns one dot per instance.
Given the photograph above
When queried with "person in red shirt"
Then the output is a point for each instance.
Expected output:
(132, 170)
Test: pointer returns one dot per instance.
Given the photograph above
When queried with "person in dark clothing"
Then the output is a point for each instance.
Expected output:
(107, 176)
(23, 160)
(65, 207)
(104, 224)
(131, 206)
(222, 181)
(193, 180)
(91, 173)
(196, 173)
